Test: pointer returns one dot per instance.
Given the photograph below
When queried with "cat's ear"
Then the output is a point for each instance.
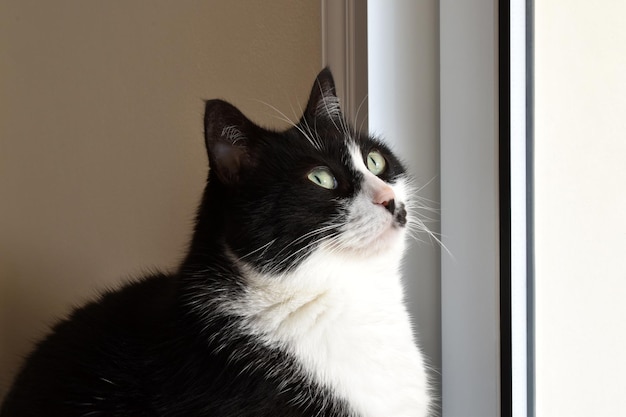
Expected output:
(323, 101)
(227, 134)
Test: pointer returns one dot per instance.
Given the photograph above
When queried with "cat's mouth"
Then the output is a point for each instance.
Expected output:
(376, 231)
(396, 216)
(394, 226)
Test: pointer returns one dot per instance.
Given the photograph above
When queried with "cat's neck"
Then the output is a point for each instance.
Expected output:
(324, 283)
(344, 319)
(329, 268)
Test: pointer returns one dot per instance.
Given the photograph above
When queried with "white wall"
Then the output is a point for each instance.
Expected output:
(580, 175)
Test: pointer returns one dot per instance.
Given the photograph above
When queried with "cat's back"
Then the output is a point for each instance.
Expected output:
(99, 354)
(141, 351)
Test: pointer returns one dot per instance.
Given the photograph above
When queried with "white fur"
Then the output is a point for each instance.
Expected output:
(345, 321)
(341, 313)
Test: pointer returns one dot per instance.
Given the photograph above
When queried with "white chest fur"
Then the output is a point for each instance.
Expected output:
(346, 322)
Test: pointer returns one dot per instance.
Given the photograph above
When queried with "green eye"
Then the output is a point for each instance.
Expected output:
(323, 177)
(376, 162)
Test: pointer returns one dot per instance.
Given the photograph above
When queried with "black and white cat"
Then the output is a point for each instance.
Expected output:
(289, 302)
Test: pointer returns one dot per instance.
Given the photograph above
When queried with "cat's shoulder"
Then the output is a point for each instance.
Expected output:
(135, 308)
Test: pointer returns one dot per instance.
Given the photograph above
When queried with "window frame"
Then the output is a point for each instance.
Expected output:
(485, 60)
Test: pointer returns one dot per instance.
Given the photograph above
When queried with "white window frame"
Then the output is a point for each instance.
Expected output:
(470, 208)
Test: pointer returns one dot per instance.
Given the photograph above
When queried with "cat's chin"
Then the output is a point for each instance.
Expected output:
(390, 240)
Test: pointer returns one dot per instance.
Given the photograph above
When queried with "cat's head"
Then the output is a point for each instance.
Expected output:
(319, 185)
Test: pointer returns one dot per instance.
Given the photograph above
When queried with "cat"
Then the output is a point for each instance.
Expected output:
(289, 301)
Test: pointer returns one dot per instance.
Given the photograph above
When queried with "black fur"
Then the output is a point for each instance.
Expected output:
(161, 346)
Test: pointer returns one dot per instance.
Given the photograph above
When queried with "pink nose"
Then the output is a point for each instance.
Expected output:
(383, 195)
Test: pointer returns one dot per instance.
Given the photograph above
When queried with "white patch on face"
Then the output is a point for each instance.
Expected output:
(370, 228)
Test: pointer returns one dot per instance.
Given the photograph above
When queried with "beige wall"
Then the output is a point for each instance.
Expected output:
(102, 159)
(580, 207)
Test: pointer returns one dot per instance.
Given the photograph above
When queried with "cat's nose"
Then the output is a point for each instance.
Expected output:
(386, 198)
(390, 206)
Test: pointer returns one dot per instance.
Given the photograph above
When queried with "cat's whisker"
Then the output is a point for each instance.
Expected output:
(286, 119)
(358, 111)
(420, 209)
(334, 245)
(312, 134)
(416, 227)
(303, 249)
(264, 248)
(422, 217)
(345, 129)
(283, 115)
(418, 205)
(305, 236)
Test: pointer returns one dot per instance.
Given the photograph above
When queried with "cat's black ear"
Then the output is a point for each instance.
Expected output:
(323, 101)
(227, 134)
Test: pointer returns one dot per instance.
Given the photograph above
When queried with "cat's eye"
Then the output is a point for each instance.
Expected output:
(376, 162)
(323, 177)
